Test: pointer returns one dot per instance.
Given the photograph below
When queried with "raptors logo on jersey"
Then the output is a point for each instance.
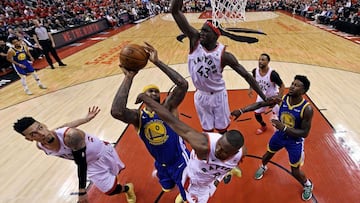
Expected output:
(155, 132)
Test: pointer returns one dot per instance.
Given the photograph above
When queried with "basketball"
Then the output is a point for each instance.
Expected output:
(133, 57)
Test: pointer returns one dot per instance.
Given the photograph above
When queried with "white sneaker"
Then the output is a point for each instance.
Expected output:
(42, 86)
(28, 92)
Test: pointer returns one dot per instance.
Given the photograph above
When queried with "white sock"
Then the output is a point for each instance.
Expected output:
(307, 183)
(23, 82)
(36, 78)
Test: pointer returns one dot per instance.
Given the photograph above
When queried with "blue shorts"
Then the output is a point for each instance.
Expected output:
(24, 71)
(171, 175)
(294, 147)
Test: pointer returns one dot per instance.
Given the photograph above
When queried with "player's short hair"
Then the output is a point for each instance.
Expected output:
(266, 55)
(235, 138)
(11, 39)
(305, 81)
(23, 123)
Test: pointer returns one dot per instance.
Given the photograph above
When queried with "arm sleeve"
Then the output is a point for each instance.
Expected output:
(275, 77)
(80, 160)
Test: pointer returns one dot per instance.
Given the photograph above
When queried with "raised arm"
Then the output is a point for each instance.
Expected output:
(118, 109)
(93, 111)
(182, 22)
(198, 141)
(230, 60)
(251, 107)
(177, 95)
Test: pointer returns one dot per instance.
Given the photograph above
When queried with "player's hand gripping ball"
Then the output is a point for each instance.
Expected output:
(133, 57)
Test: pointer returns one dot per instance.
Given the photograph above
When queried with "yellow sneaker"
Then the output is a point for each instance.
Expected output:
(179, 199)
(236, 172)
(130, 194)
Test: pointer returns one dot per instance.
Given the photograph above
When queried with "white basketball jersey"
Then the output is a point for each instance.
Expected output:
(268, 88)
(93, 147)
(206, 171)
(205, 68)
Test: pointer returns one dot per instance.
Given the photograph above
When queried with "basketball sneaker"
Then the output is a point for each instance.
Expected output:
(235, 171)
(307, 193)
(130, 194)
(261, 130)
(28, 92)
(260, 172)
(41, 86)
(179, 199)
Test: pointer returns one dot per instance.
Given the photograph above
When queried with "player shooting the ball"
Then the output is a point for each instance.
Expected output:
(164, 145)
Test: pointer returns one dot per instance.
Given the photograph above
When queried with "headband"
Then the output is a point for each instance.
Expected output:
(147, 87)
(215, 29)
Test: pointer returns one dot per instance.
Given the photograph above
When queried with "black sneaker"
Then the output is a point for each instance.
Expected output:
(62, 64)
(227, 178)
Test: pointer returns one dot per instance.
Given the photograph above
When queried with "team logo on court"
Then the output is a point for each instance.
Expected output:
(288, 119)
(21, 56)
(155, 132)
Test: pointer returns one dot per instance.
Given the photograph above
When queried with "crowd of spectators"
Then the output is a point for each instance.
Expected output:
(16, 15)
(340, 14)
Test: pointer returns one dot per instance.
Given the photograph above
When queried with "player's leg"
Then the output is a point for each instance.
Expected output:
(177, 174)
(22, 74)
(296, 153)
(259, 118)
(105, 179)
(204, 110)
(30, 69)
(275, 144)
(221, 111)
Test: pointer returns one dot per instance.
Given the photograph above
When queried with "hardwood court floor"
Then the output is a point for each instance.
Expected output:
(277, 184)
(92, 78)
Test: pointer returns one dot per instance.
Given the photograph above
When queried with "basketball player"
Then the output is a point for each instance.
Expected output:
(18, 56)
(94, 158)
(164, 145)
(206, 63)
(213, 155)
(295, 114)
(271, 85)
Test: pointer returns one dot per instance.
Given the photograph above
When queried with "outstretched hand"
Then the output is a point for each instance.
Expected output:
(93, 111)
(236, 114)
(153, 56)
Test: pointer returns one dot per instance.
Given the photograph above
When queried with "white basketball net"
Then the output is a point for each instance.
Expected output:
(228, 11)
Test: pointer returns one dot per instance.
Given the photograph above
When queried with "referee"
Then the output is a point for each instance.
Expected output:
(45, 41)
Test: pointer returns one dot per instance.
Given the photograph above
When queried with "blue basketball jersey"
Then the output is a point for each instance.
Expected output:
(161, 141)
(21, 57)
(292, 116)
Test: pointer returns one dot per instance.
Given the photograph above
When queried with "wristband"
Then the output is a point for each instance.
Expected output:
(284, 129)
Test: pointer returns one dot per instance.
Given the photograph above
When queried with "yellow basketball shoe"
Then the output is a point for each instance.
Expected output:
(130, 194)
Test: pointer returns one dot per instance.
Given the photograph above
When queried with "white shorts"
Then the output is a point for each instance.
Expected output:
(197, 193)
(213, 109)
(103, 171)
(275, 109)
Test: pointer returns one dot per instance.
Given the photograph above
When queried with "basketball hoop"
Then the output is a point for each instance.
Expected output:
(228, 11)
